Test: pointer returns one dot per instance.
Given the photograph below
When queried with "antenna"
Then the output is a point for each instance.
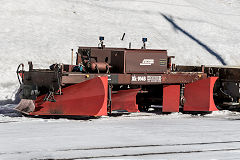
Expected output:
(129, 45)
(123, 36)
(72, 57)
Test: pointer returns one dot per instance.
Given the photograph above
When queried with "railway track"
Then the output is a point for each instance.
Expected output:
(137, 150)
(149, 154)
(153, 145)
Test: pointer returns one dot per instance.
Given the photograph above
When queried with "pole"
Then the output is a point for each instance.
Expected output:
(72, 58)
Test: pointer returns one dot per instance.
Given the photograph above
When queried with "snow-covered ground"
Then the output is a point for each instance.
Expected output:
(43, 31)
(130, 136)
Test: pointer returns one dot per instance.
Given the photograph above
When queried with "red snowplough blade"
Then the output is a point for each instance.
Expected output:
(88, 98)
(199, 95)
(125, 100)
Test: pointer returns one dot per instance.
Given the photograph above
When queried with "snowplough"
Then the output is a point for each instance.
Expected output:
(106, 79)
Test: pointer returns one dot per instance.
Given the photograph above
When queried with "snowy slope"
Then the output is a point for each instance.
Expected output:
(43, 31)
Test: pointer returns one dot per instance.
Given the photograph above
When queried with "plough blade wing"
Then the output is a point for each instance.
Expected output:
(199, 95)
(88, 98)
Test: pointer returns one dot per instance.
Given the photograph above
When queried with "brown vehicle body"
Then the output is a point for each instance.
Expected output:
(147, 69)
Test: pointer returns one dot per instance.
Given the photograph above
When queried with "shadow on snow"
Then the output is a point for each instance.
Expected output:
(204, 46)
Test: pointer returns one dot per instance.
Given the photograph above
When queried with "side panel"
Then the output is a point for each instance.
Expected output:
(146, 61)
(171, 96)
(136, 79)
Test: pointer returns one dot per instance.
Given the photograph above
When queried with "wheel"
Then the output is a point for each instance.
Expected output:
(143, 108)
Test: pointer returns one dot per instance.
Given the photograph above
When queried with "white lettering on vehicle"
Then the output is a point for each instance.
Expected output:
(154, 79)
(134, 78)
(147, 62)
(150, 79)
(141, 78)
(138, 78)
